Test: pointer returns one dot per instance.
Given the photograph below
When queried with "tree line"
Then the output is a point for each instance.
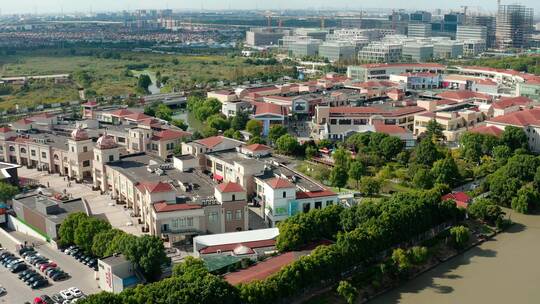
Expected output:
(96, 237)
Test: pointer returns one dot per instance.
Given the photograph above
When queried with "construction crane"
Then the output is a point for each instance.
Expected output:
(464, 7)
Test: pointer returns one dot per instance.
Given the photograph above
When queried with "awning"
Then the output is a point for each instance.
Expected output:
(218, 177)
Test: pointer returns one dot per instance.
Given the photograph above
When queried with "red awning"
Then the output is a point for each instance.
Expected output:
(218, 177)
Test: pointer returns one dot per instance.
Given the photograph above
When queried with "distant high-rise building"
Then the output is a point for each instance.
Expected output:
(419, 30)
(514, 26)
(471, 32)
(489, 23)
(420, 16)
(451, 21)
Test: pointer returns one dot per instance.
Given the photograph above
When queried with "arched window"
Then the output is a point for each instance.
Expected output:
(56, 157)
(11, 148)
(23, 150)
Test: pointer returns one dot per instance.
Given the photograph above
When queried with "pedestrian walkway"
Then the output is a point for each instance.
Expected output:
(101, 206)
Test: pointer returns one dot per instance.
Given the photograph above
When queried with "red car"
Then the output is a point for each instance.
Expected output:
(38, 300)
(48, 265)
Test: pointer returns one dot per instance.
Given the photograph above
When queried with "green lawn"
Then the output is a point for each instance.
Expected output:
(108, 76)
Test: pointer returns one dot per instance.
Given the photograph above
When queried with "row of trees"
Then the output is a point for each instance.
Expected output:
(372, 228)
(190, 283)
(97, 237)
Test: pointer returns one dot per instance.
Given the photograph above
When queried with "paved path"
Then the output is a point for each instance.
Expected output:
(100, 205)
(17, 292)
(503, 270)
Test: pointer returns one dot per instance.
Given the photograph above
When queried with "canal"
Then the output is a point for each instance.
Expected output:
(502, 270)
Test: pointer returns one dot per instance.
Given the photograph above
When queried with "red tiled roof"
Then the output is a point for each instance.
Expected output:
(390, 129)
(520, 118)
(150, 122)
(210, 142)
(462, 95)
(263, 89)
(165, 207)
(507, 102)
(314, 194)
(257, 147)
(231, 247)
(90, 104)
(279, 183)
(24, 121)
(5, 129)
(461, 198)
(155, 187)
(230, 187)
(261, 270)
(121, 113)
(488, 130)
(485, 82)
(170, 134)
(375, 84)
(137, 116)
(262, 108)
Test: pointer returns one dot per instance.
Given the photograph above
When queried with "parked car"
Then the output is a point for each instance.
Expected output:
(76, 292)
(46, 299)
(58, 276)
(26, 272)
(3, 291)
(40, 283)
(25, 249)
(19, 267)
(71, 249)
(57, 298)
(46, 266)
(29, 276)
(66, 294)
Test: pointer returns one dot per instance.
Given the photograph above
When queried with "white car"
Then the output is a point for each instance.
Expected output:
(3, 291)
(75, 291)
(66, 294)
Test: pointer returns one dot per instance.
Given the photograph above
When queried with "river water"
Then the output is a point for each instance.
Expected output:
(503, 270)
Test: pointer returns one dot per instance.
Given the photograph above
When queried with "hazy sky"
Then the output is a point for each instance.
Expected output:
(47, 6)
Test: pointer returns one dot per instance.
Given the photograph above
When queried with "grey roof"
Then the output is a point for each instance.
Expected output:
(114, 260)
(135, 168)
(65, 208)
(296, 178)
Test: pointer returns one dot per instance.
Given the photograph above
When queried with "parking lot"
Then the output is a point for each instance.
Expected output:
(82, 277)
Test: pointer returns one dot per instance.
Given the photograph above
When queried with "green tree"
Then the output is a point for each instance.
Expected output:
(423, 179)
(217, 122)
(254, 127)
(347, 291)
(229, 133)
(356, 171)
(239, 121)
(287, 144)
(502, 187)
(501, 154)
(256, 140)
(86, 230)
(179, 123)
(311, 151)
(486, 210)
(390, 146)
(341, 158)
(369, 186)
(66, 233)
(434, 131)
(418, 255)
(102, 241)
(460, 236)
(120, 243)
(445, 171)
(7, 191)
(144, 82)
(339, 176)
(148, 254)
(163, 112)
(401, 260)
(426, 153)
(190, 266)
(527, 200)
(514, 138)
(276, 132)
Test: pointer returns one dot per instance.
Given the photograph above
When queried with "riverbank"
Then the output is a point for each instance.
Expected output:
(503, 269)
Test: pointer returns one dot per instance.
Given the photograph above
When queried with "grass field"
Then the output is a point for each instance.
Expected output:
(109, 76)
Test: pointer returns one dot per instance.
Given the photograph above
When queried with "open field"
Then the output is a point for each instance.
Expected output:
(107, 73)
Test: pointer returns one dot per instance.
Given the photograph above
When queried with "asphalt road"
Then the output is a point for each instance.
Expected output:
(82, 277)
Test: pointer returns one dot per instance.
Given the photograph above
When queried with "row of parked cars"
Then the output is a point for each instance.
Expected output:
(80, 256)
(46, 266)
(66, 296)
(16, 264)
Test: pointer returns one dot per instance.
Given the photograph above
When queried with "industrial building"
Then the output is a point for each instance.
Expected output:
(419, 30)
(471, 32)
(417, 52)
(381, 52)
(265, 36)
(514, 26)
(337, 51)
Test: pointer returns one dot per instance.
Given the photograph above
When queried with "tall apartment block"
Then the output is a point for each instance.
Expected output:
(487, 21)
(419, 30)
(514, 26)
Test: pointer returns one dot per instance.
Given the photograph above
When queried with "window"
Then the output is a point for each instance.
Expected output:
(233, 197)
(306, 207)
(329, 203)
(43, 155)
(97, 157)
(85, 149)
(86, 163)
(121, 139)
(212, 217)
(175, 223)
(318, 205)
(111, 158)
(284, 194)
(189, 221)
(229, 216)
(154, 147)
(23, 150)
(239, 214)
(11, 148)
(72, 149)
(219, 167)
